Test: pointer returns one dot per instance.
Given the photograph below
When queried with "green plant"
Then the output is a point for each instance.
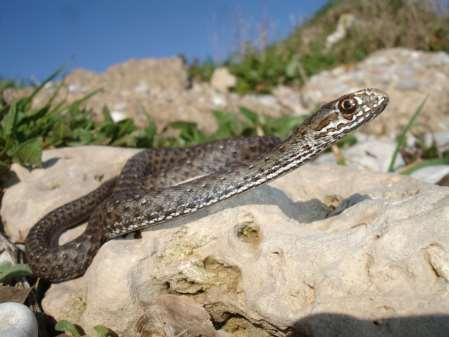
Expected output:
(247, 123)
(201, 71)
(9, 271)
(304, 53)
(26, 130)
(260, 71)
(73, 331)
(428, 154)
(402, 137)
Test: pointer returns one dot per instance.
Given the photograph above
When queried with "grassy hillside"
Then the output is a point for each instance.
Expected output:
(421, 25)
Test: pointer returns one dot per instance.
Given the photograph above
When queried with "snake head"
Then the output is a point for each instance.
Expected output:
(346, 113)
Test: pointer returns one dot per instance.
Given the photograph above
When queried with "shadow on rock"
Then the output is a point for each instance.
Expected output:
(333, 325)
(302, 211)
(50, 162)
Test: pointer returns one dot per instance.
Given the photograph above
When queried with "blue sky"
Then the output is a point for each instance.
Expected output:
(36, 37)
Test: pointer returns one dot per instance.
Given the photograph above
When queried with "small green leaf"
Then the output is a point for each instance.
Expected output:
(9, 271)
(76, 104)
(32, 116)
(250, 115)
(228, 125)
(102, 331)
(282, 126)
(43, 84)
(400, 141)
(68, 328)
(23, 104)
(29, 153)
(9, 121)
(87, 136)
(347, 141)
(117, 133)
(145, 138)
(60, 132)
(189, 133)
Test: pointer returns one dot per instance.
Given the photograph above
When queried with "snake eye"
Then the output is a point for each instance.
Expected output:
(347, 105)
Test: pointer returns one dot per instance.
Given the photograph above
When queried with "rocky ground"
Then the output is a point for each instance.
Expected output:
(323, 239)
(326, 250)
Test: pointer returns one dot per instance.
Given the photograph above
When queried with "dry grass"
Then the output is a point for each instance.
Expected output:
(421, 25)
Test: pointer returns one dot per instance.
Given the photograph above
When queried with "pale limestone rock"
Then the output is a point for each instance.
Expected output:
(135, 74)
(67, 173)
(283, 255)
(168, 314)
(368, 153)
(431, 174)
(441, 140)
(291, 99)
(222, 79)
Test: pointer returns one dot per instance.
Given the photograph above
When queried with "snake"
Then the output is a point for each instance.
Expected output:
(156, 185)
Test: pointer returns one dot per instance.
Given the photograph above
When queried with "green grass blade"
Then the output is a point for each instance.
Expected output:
(252, 117)
(403, 136)
(29, 153)
(9, 121)
(68, 328)
(102, 331)
(85, 98)
(44, 82)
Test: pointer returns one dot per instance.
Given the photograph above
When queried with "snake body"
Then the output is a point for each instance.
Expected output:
(157, 185)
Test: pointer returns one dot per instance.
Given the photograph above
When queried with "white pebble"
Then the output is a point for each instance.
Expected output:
(16, 320)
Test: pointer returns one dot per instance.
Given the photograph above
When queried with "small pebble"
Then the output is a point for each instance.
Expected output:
(16, 320)
(431, 174)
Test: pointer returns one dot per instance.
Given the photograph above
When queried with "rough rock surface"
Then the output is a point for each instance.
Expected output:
(66, 174)
(321, 250)
(222, 79)
(160, 89)
(372, 153)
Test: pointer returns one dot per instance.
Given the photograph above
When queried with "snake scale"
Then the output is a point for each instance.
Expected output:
(156, 185)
